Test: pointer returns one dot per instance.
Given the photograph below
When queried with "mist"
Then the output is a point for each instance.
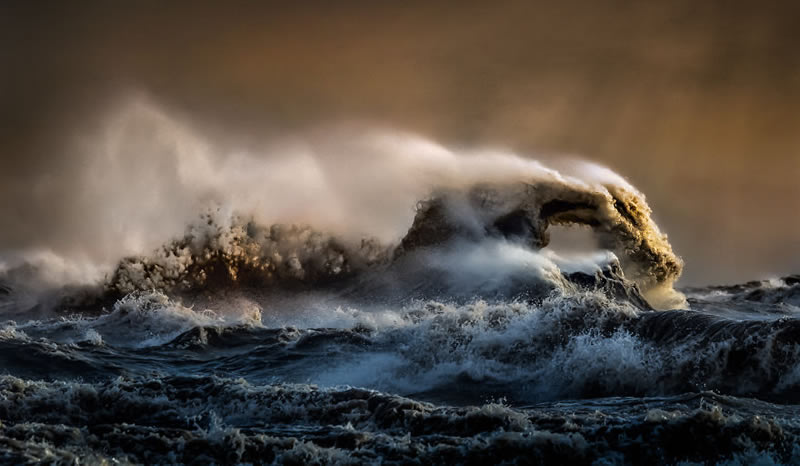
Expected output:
(145, 177)
(109, 111)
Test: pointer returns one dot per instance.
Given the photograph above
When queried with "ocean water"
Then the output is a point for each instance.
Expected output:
(469, 341)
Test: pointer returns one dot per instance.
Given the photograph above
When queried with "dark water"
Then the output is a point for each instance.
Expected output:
(469, 342)
(580, 373)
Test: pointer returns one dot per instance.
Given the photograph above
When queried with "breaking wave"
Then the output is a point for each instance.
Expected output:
(411, 310)
(517, 378)
(296, 216)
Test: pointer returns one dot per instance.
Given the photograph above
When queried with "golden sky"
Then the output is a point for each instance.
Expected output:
(696, 103)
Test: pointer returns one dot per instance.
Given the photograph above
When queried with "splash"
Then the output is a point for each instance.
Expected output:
(523, 212)
(329, 205)
(213, 256)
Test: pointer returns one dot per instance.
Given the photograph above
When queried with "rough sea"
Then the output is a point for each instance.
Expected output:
(468, 342)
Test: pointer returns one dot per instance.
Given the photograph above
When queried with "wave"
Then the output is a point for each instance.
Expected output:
(186, 419)
(523, 212)
(490, 221)
(572, 344)
(322, 319)
(784, 290)
(239, 256)
(293, 218)
(249, 255)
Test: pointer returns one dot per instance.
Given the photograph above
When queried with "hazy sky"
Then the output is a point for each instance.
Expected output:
(697, 103)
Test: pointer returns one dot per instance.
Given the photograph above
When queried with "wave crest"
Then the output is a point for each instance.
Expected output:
(214, 256)
(524, 211)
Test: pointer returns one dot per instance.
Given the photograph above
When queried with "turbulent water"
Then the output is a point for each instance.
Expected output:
(469, 340)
